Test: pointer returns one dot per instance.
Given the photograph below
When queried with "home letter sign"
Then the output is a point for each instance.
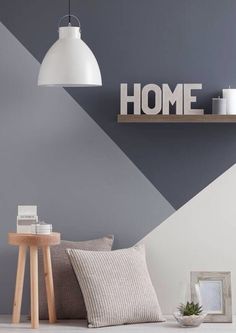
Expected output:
(182, 97)
(145, 97)
(135, 99)
(173, 98)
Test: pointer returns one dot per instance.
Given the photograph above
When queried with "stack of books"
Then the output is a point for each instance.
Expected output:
(28, 222)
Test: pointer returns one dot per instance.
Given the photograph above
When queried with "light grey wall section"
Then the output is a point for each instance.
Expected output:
(54, 155)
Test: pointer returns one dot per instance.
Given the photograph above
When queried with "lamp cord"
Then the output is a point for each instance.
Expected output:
(69, 12)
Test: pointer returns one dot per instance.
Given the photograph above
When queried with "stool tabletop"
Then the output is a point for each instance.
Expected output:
(51, 239)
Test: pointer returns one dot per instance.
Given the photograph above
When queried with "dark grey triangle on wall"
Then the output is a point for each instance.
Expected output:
(151, 41)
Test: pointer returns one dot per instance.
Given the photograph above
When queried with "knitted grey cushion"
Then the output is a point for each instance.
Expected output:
(69, 299)
(116, 286)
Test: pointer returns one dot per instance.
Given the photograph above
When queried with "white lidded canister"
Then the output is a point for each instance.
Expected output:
(230, 96)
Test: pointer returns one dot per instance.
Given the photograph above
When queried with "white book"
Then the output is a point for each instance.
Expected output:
(27, 215)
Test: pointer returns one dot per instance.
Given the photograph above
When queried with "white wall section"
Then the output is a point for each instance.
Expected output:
(200, 236)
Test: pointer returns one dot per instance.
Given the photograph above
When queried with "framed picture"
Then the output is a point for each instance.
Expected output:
(212, 290)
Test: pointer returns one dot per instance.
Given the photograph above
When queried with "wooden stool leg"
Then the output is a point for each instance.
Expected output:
(49, 284)
(34, 286)
(19, 284)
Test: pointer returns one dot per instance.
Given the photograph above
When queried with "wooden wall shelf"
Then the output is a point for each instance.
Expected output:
(208, 118)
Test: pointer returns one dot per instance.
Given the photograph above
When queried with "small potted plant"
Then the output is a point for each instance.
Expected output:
(190, 314)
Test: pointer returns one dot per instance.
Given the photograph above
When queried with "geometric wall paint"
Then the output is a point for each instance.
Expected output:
(54, 155)
(200, 236)
(90, 175)
(149, 41)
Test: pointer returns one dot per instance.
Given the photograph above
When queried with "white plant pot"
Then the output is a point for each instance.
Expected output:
(190, 321)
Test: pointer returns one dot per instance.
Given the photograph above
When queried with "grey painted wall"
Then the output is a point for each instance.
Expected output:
(54, 155)
(149, 41)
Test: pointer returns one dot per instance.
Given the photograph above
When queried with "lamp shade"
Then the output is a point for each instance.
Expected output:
(69, 62)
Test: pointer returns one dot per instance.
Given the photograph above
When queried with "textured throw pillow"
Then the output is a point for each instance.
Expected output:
(116, 286)
(69, 299)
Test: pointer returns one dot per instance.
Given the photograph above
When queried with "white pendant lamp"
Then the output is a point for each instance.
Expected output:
(69, 62)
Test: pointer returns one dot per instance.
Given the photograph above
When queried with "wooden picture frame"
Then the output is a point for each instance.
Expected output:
(214, 291)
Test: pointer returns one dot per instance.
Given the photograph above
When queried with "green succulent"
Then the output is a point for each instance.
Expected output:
(190, 309)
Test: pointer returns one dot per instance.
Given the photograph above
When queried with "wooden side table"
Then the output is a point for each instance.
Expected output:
(34, 242)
